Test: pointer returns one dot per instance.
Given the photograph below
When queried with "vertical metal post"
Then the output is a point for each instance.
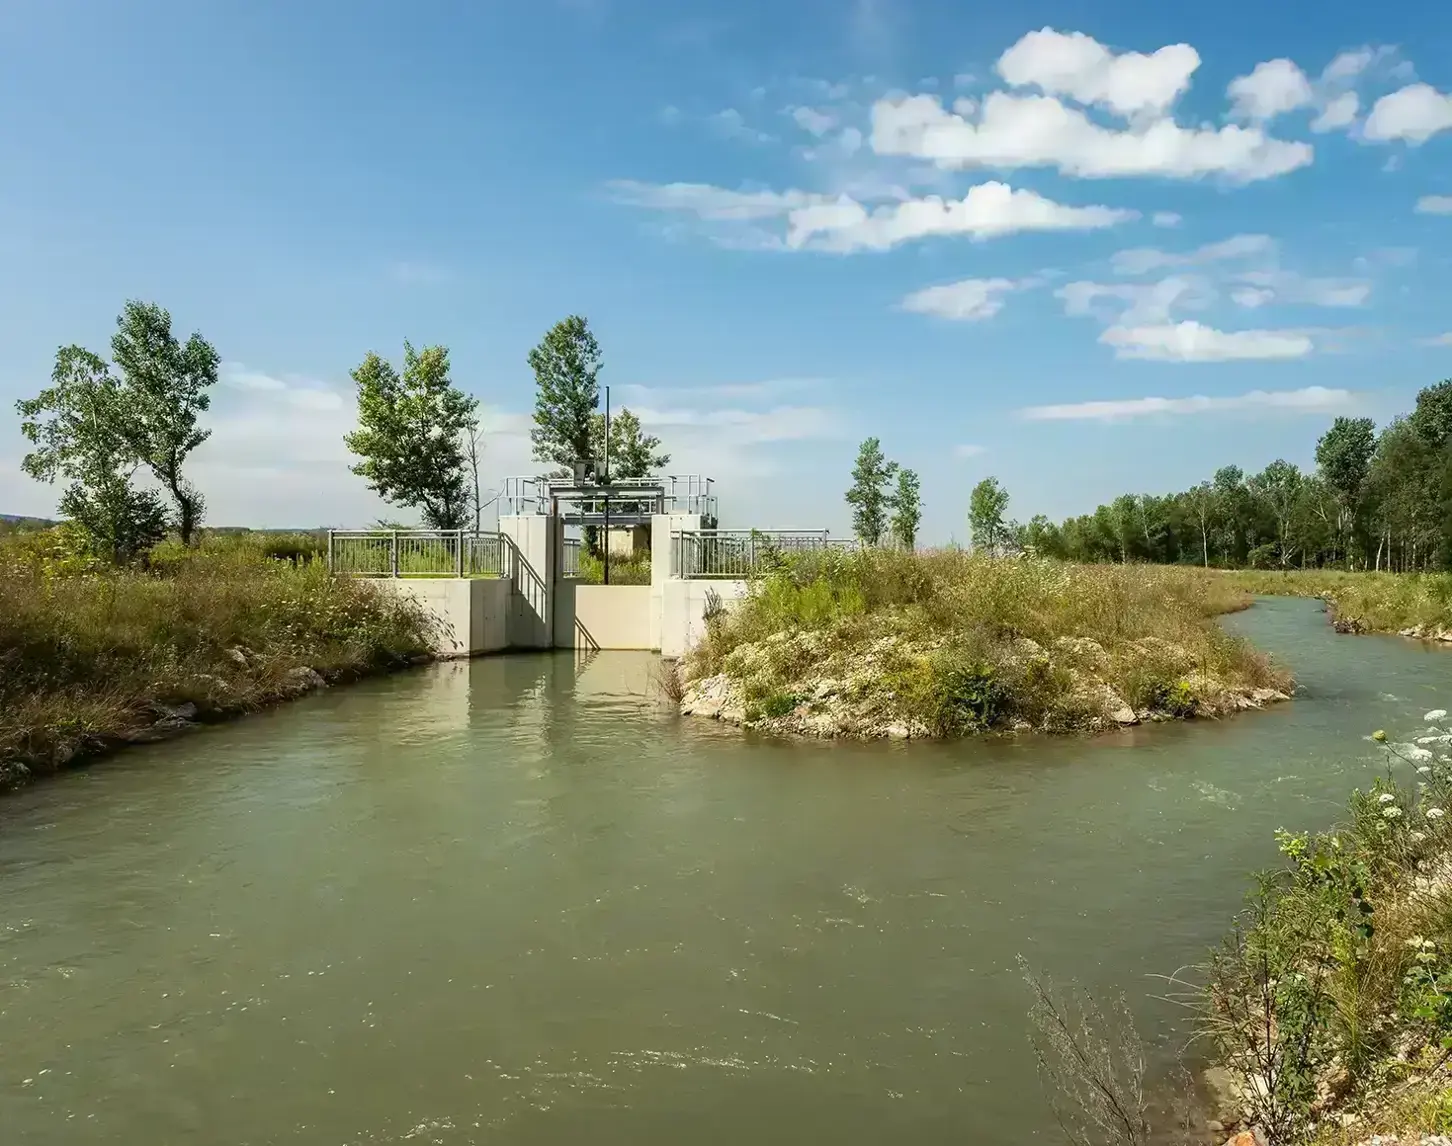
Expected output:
(459, 556)
(330, 551)
(393, 554)
(751, 554)
(606, 578)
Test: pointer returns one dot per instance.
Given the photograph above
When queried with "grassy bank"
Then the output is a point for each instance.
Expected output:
(1331, 1002)
(94, 657)
(1362, 602)
(885, 643)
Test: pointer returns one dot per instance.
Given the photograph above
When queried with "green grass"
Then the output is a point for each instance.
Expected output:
(1360, 602)
(948, 643)
(633, 570)
(87, 650)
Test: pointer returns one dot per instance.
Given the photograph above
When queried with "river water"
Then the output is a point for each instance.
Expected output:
(511, 901)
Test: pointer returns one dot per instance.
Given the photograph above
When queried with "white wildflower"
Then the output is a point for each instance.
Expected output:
(1435, 813)
(1414, 941)
(1392, 812)
(1386, 798)
(1413, 753)
(1435, 714)
(1418, 837)
(1424, 768)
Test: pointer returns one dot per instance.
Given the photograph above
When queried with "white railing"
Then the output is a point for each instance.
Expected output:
(570, 558)
(415, 553)
(740, 554)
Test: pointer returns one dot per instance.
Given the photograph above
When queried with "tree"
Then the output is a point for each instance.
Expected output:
(907, 509)
(165, 387)
(868, 496)
(566, 367)
(986, 507)
(1344, 457)
(77, 428)
(1278, 486)
(633, 454)
(410, 434)
(473, 447)
(1202, 501)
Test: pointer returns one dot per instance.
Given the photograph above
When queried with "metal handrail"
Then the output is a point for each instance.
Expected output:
(416, 552)
(743, 553)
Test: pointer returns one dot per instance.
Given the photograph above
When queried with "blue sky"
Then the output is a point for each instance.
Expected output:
(1085, 248)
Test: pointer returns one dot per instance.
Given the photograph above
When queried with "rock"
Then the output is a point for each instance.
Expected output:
(301, 680)
(1124, 715)
(238, 655)
(1251, 1137)
(826, 687)
(184, 713)
(898, 732)
(1267, 695)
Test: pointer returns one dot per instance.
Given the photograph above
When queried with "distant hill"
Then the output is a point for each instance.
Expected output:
(26, 522)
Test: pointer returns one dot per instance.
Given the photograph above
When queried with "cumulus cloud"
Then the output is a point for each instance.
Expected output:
(1135, 303)
(1290, 287)
(1166, 219)
(844, 224)
(811, 120)
(968, 301)
(1191, 341)
(988, 210)
(1310, 400)
(1078, 66)
(1413, 114)
(1340, 111)
(1011, 131)
(1435, 205)
(1272, 88)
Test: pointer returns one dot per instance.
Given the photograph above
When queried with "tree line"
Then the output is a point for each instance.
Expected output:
(1377, 500)
(883, 511)
(103, 427)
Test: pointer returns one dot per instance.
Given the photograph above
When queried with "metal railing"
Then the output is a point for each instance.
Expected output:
(744, 553)
(570, 558)
(415, 553)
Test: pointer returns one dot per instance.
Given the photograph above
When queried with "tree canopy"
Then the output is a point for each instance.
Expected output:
(412, 435)
(566, 367)
(868, 496)
(987, 507)
(633, 453)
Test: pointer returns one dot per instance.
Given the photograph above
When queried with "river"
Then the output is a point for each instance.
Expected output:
(511, 901)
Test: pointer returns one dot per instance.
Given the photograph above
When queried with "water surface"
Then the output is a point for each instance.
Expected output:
(512, 902)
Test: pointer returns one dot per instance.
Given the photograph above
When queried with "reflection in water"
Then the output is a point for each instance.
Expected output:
(513, 901)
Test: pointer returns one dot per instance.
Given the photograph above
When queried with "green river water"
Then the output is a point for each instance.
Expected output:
(511, 901)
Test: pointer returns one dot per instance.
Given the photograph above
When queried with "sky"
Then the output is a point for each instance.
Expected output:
(1085, 248)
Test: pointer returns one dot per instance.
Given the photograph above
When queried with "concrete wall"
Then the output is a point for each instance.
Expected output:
(683, 611)
(532, 549)
(602, 616)
(472, 613)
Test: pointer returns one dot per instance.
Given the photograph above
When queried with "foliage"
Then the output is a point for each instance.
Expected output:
(632, 570)
(986, 521)
(410, 435)
(907, 510)
(1361, 602)
(566, 367)
(165, 386)
(956, 643)
(1378, 500)
(77, 427)
(633, 454)
(868, 496)
(1337, 978)
(88, 651)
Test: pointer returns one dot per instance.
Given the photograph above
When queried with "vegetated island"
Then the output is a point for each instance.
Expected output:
(894, 644)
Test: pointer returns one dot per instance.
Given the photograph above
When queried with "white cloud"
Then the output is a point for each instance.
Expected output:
(843, 224)
(1142, 260)
(1252, 297)
(1138, 304)
(732, 124)
(1166, 219)
(1340, 111)
(1078, 66)
(988, 210)
(1435, 205)
(1310, 400)
(1414, 114)
(1272, 88)
(1011, 131)
(816, 122)
(967, 450)
(968, 301)
(1348, 65)
(1439, 340)
(1287, 286)
(1191, 341)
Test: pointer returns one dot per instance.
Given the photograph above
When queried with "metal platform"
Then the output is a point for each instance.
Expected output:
(624, 502)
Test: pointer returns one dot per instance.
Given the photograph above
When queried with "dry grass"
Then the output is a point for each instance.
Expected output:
(954, 642)
(1360, 602)
(87, 653)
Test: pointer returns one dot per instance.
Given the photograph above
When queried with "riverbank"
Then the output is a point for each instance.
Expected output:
(1417, 605)
(885, 644)
(1329, 1006)
(94, 658)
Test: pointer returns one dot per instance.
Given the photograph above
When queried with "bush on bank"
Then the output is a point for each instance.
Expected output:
(1330, 1004)
(946, 643)
(1418, 603)
(92, 656)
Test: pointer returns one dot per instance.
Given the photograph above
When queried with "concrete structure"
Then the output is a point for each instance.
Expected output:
(533, 607)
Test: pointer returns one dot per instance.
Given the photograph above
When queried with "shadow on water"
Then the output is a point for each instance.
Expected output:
(515, 901)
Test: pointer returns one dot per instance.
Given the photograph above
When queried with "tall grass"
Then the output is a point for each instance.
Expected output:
(954, 642)
(1360, 602)
(89, 655)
